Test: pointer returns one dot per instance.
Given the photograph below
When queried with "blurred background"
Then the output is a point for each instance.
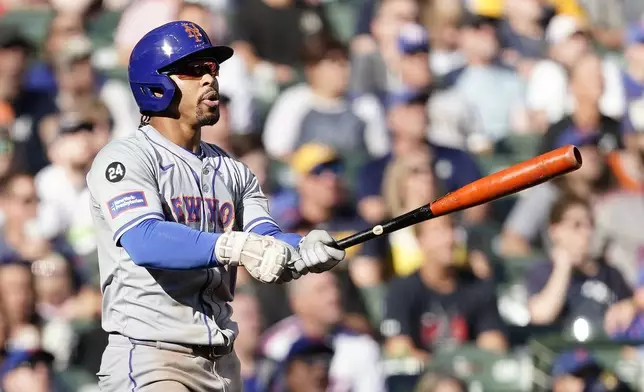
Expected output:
(351, 112)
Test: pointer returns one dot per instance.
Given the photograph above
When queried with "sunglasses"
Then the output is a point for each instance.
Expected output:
(335, 167)
(194, 69)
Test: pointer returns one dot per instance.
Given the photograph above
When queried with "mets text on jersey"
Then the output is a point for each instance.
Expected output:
(187, 209)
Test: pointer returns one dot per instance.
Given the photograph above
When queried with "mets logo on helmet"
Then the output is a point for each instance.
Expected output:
(193, 31)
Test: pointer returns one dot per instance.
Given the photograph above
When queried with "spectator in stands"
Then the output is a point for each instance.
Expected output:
(625, 319)
(59, 304)
(78, 82)
(376, 59)
(248, 316)
(236, 83)
(407, 121)
(578, 370)
(62, 28)
(521, 35)
(62, 185)
(409, 182)
(547, 91)
(629, 167)
(26, 370)
(23, 236)
(618, 215)
(633, 74)
(9, 160)
(413, 44)
(495, 92)
(586, 86)
(322, 201)
(29, 106)
(306, 367)
(250, 151)
(437, 382)
(316, 302)
(440, 305)
(442, 18)
(494, 8)
(573, 287)
(318, 110)
(618, 218)
(138, 18)
(220, 133)
(597, 137)
(270, 35)
(454, 121)
(17, 302)
(611, 20)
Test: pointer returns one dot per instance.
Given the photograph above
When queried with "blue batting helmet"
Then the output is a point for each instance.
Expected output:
(161, 48)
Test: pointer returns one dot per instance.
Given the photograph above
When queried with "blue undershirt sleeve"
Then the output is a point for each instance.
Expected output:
(154, 243)
(273, 230)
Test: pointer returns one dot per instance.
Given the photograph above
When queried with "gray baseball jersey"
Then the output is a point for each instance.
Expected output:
(145, 176)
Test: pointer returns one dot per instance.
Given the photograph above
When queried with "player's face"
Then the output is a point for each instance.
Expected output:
(197, 82)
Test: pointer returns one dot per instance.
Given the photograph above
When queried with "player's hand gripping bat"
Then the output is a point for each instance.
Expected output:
(505, 182)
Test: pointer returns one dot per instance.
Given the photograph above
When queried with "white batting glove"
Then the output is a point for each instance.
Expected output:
(318, 253)
(264, 257)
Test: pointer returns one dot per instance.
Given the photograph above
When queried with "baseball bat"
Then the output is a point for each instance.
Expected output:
(505, 182)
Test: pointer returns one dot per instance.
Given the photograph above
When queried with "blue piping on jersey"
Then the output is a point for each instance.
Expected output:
(202, 303)
(149, 215)
(130, 366)
(202, 205)
(250, 226)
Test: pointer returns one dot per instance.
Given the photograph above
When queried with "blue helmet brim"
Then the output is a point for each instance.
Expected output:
(219, 53)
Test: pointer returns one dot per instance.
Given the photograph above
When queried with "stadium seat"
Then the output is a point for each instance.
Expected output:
(607, 352)
(484, 370)
(523, 147)
(342, 15)
(32, 23)
(101, 28)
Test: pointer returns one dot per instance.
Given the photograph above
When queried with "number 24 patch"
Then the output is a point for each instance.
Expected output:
(115, 172)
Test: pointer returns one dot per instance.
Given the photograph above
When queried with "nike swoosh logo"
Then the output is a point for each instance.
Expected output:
(166, 168)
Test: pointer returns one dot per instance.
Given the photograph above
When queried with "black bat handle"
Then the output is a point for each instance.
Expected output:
(410, 218)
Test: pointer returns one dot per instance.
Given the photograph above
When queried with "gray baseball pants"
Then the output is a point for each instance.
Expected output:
(131, 367)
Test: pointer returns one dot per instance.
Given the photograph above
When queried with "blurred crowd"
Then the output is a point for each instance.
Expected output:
(351, 112)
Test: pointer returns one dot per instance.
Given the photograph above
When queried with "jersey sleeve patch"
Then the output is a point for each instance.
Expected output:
(125, 202)
(115, 172)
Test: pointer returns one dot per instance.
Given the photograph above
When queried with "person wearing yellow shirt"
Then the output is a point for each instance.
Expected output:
(495, 8)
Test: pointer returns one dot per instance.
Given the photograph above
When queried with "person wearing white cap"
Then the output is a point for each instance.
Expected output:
(547, 92)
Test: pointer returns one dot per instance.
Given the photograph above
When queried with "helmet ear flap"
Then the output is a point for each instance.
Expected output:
(157, 93)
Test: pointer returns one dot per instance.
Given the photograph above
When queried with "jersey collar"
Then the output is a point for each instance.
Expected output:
(157, 138)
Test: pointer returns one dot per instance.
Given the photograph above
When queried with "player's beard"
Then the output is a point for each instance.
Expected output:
(208, 116)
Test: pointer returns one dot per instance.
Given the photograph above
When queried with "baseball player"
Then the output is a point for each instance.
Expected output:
(174, 218)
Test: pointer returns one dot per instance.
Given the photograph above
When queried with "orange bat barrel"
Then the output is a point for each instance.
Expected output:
(513, 179)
